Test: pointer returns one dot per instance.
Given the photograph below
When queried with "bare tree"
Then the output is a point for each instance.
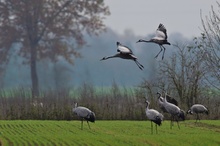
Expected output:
(211, 42)
(48, 29)
(183, 73)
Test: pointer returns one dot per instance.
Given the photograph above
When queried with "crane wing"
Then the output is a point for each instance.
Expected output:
(123, 49)
(152, 114)
(161, 32)
(82, 111)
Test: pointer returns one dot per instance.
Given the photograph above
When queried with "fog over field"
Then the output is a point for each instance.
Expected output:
(89, 68)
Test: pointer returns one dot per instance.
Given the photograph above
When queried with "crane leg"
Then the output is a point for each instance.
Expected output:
(171, 122)
(176, 119)
(151, 128)
(88, 124)
(178, 124)
(139, 65)
(156, 128)
(161, 49)
(164, 49)
(197, 117)
(82, 124)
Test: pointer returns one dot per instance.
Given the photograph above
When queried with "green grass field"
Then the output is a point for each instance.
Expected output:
(44, 133)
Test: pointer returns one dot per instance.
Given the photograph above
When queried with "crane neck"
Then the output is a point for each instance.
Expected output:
(165, 98)
(147, 106)
(141, 40)
(113, 56)
(76, 105)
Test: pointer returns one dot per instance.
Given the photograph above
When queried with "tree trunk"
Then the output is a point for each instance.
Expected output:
(34, 77)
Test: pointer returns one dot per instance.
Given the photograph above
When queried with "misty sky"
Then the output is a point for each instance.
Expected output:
(128, 22)
(144, 16)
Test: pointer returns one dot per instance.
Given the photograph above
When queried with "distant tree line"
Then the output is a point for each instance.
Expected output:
(117, 104)
(114, 104)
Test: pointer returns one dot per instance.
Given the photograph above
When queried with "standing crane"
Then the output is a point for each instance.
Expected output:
(84, 114)
(124, 53)
(160, 39)
(197, 109)
(161, 100)
(175, 112)
(154, 116)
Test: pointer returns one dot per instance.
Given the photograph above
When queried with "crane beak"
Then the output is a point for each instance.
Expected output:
(102, 59)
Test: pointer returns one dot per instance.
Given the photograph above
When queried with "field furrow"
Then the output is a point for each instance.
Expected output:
(68, 133)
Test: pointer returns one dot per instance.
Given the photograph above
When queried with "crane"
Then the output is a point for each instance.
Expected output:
(154, 116)
(160, 39)
(174, 110)
(169, 99)
(84, 114)
(124, 53)
(197, 109)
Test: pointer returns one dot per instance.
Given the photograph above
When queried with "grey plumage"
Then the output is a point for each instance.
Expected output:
(160, 39)
(84, 114)
(161, 101)
(197, 109)
(174, 111)
(154, 116)
(124, 53)
(171, 100)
